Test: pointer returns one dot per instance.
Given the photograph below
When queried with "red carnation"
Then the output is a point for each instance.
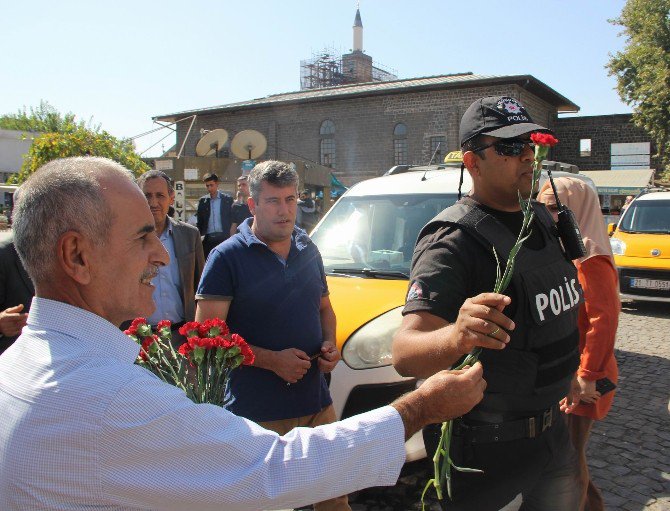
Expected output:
(146, 346)
(213, 327)
(544, 139)
(190, 329)
(166, 323)
(245, 349)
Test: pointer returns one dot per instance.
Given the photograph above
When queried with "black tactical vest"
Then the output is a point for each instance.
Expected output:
(535, 369)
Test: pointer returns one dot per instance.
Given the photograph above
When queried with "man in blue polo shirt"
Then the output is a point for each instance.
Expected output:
(268, 283)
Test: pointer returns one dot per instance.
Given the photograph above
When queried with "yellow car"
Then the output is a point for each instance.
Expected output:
(641, 247)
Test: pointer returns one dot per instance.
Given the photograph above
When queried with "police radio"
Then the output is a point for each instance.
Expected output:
(567, 227)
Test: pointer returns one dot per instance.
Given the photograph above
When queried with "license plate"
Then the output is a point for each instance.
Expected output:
(663, 285)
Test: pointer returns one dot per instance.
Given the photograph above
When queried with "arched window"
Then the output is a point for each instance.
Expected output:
(400, 130)
(327, 128)
(400, 146)
(327, 144)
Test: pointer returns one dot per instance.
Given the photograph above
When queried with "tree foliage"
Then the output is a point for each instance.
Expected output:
(61, 136)
(44, 119)
(81, 142)
(642, 69)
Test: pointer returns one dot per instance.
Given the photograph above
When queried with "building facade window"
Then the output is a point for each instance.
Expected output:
(438, 148)
(400, 145)
(584, 147)
(328, 152)
(327, 128)
(327, 144)
(400, 152)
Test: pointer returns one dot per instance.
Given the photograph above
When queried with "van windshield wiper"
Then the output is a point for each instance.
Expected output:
(372, 273)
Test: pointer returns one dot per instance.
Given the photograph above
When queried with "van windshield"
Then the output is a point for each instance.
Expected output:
(650, 216)
(375, 236)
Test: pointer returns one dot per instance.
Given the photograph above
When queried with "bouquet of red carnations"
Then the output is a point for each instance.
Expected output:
(201, 366)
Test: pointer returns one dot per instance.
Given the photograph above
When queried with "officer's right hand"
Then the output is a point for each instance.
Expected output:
(481, 322)
(291, 364)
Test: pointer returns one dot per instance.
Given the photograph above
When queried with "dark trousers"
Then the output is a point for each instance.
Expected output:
(544, 470)
(209, 241)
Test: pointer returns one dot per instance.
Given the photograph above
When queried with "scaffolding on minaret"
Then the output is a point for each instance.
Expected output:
(329, 68)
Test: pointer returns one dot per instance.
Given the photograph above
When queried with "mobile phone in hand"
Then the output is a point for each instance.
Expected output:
(604, 385)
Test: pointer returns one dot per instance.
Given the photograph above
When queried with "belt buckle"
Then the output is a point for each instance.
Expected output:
(547, 419)
(531, 427)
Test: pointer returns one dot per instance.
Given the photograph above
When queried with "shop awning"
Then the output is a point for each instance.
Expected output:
(620, 182)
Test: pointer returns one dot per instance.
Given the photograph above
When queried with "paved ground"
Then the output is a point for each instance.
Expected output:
(629, 451)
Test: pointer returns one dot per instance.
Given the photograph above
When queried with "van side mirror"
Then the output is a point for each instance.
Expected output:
(610, 229)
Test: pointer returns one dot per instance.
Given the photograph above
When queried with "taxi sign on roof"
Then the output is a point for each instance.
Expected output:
(454, 157)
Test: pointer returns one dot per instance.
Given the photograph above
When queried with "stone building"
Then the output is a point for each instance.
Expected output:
(362, 130)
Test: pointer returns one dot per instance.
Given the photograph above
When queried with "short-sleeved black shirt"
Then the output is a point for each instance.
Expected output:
(449, 266)
(239, 212)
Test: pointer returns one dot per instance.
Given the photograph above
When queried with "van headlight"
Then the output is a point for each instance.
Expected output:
(618, 246)
(370, 346)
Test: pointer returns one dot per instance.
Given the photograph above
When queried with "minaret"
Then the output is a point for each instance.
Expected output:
(357, 66)
(358, 32)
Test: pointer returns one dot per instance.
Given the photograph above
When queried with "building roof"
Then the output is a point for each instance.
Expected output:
(620, 182)
(461, 80)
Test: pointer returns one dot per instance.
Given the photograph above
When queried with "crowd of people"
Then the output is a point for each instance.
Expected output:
(84, 426)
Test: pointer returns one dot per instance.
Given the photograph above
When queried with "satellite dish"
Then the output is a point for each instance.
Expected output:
(248, 144)
(211, 143)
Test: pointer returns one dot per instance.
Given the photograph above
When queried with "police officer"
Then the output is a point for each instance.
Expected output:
(517, 434)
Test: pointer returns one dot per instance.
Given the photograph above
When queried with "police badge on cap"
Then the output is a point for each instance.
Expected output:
(497, 116)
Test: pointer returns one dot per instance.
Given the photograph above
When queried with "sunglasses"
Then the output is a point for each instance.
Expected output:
(509, 147)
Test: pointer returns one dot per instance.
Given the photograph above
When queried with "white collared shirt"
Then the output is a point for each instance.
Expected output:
(84, 427)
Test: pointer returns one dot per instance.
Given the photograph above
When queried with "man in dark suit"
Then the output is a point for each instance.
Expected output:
(16, 293)
(213, 214)
(174, 292)
(239, 211)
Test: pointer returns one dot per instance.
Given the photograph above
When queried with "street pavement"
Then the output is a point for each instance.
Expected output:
(629, 451)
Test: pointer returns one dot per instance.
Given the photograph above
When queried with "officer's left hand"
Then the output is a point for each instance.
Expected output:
(570, 402)
(329, 358)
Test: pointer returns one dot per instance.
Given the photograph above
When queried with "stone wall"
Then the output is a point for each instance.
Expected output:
(603, 130)
(364, 126)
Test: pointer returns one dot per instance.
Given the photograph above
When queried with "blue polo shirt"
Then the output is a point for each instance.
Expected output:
(275, 305)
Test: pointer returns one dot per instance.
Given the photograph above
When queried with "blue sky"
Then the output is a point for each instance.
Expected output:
(123, 62)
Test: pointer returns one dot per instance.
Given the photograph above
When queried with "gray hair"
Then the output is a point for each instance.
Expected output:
(155, 174)
(62, 195)
(276, 173)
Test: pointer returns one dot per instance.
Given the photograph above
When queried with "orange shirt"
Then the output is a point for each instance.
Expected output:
(598, 322)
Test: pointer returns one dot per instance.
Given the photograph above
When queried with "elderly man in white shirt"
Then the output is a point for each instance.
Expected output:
(83, 427)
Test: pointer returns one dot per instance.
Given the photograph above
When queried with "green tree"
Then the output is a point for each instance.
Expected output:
(44, 119)
(61, 136)
(642, 69)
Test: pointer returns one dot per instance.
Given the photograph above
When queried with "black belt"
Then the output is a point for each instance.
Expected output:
(528, 427)
(215, 235)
